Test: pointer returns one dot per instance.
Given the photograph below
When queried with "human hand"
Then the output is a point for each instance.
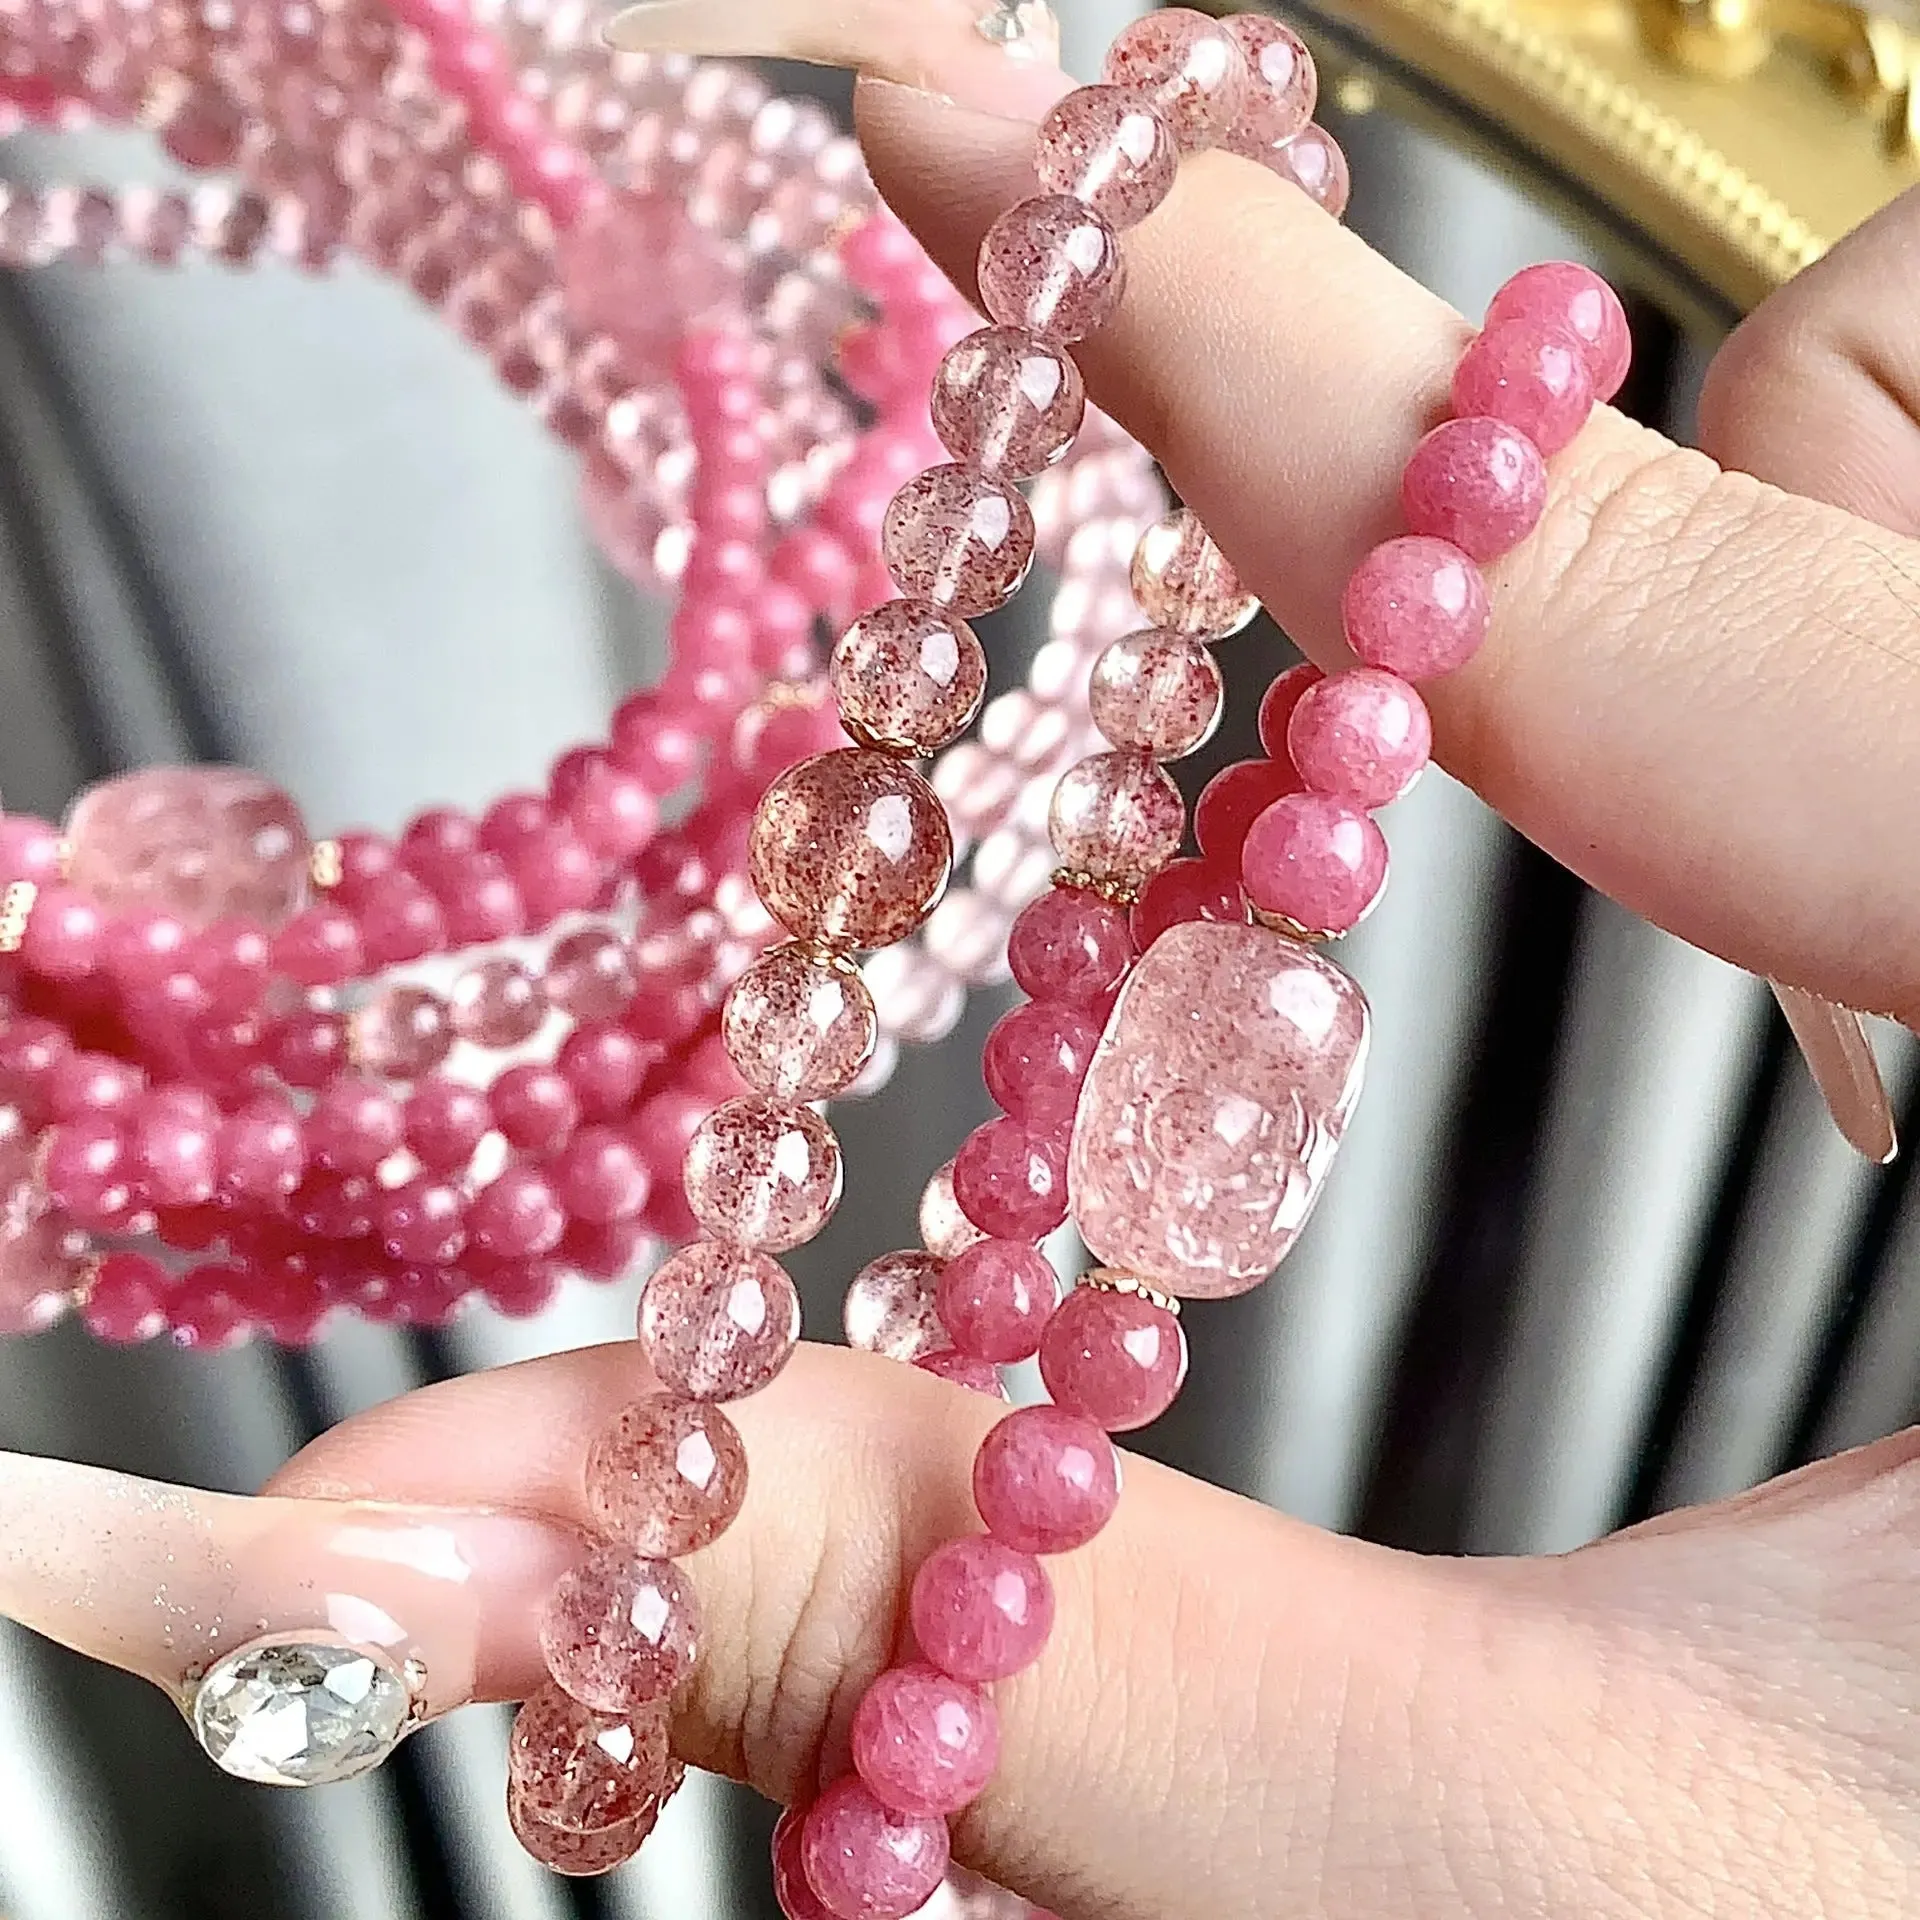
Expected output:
(1695, 694)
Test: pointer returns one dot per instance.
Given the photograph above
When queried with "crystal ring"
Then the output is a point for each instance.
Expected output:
(304, 1710)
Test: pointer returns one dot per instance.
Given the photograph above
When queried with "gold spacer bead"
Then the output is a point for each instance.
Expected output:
(15, 906)
(324, 864)
(1279, 923)
(1122, 893)
(1117, 1280)
(878, 742)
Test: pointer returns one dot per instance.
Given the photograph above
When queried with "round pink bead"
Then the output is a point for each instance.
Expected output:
(262, 1150)
(765, 1173)
(1316, 163)
(620, 1631)
(891, 1307)
(1476, 483)
(424, 1222)
(1282, 84)
(958, 538)
(355, 1124)
(606, 1067)
(1110, 150)
(402, 1033)
(600, 1177)
(1362, 735)
(516, 1216)
(591, 975)
(1046, 1480)
(1190, 67)
(88, 1171)
(535, 1108)
(126, 1303)
(1069, 945)
(85, 1083)
(174, 1138)
(1010, 1183)
(666, 1476)
(795, 1899)
(446, 1121)
(1314, 860)
(320, 947)
(39, 1271)
(1416, 607)
(1532, 376)
(924, 1742)
(1007, 402)
(563, 1850)
(1034, 1061)
(995, 1298)
(963, 1370)
(850, 848)
(797, 1027)
(1160, 692)
(497, 1004)
(981, 1610)
(65, 934)
(1114, 1357)
(1116, 817)
(865, 1862)
(399, 920)
(29, 850)
(718, 1321)
(1187, 890)
(1183, 581)
(1277, 705)
(1052, 266)
(582, 1771)
(1557, 293)
(909, 676)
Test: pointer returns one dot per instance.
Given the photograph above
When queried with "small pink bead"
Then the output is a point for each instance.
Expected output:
(307, 1049)
(924, 1742)
(262, 1150)
(1116, 817)
(1416, 607)
(423, 1222)
(1534, 377)
(445, 1123)
(1477, 483)
(1159, 692)
(320, 947)
(718, 1321)
(1069, 945)
(1045, 1480)
(126, 1303)
(1007, 402)
(232, 960)
(402, 1033)
(399, 920)
(981, 1610)
(1034, 1061)
(1183, 582)
(480, 901)
(1557, 293)
(90, 1083)
(535, 1108)
(65, 934)
(599, 1176)
(865, 1862)
(944, 1230)
(1010, 1183)
(1114, 1357)
(1362, 735)
(1316, 163)
(765, 1173)
(1282, 83)
(354, 1125)
(1277, 705)
(795, 1899)
(584, 1772)
(647, 741)
(908, 675)
(591, 975)
(666, 1477)
(798, 1027)
(1053, 267)
(29, 850)
(606, 1067)
(620, 1631)
(891, 1307)
(173, 1136)
(497, 1004)
(556, 873)
(1187, 890)
(516, 1216)
(613, 812)
(964, 1370)
(1317, 861)
(995, 1298)
(144, 947)
(1110, 150)
(958, 538)
(1189, 67)
(89, 1173)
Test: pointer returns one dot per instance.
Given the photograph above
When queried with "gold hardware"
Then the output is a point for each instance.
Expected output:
(324, 865)
(1115, 1280)
(1120, 892)
(1280, 923)
(15, 906)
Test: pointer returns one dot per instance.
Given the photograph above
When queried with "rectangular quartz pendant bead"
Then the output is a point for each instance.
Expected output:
(1215, 1103)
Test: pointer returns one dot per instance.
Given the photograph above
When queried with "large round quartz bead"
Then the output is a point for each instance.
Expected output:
(299, 1713)
(199, 843)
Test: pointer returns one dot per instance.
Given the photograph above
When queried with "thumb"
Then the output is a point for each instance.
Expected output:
(1696, 689)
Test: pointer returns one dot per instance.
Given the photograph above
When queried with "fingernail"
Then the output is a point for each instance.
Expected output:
(162, 1581)
(994, 56)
